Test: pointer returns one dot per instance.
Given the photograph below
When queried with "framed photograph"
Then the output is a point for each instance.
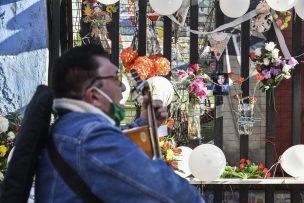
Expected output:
(220, 85)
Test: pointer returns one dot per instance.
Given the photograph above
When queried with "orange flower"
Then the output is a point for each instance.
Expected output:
(170, 122)
(239, 80)
(161, 138)
(177, 150)
(144, 67)
(128, 55)
(259, 76)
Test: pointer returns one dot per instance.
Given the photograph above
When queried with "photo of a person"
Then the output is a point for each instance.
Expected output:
(220, 85)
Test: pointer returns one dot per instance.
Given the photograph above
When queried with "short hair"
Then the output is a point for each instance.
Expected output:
(73, 70)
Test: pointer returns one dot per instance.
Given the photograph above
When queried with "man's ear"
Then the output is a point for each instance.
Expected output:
(90, 96)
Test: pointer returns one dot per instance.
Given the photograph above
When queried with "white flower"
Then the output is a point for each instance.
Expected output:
(258, 52)
(1, 176)
(3, 124)
(275, 53)
(287, 75)
(11, 135)
(286, 68)
(266, 61)
(270, 46)
(266, 87)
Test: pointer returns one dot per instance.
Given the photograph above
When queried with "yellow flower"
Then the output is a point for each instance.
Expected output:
(161, 144)
(170, 154)
(3, 150)
(109, 8)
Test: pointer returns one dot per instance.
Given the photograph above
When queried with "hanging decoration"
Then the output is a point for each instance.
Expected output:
(218, 42)
(282, 19)
(98, 16)
(262, 22)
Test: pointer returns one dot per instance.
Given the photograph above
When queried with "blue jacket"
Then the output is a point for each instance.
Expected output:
(110, 163)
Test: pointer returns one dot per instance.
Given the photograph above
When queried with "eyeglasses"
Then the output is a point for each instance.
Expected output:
(117, 77)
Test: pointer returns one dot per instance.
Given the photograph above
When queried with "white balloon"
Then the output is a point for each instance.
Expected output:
(165, 7)
(281, 5)
(292, 161)
(207, 162)
(234, 8)
(183, 161)
(299, 8)
(126, 93)
(106, 2)
(162, 89)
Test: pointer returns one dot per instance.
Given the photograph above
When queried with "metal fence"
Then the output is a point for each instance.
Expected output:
(63, 24)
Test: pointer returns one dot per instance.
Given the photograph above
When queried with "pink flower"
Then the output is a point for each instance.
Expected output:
(193, 68)
(181, 74)
(193, 88)
(202, 94)
(199, 79)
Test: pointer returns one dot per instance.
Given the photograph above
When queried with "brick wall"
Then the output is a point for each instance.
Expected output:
(284, 103)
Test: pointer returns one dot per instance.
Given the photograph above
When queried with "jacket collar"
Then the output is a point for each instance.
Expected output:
(79, 106)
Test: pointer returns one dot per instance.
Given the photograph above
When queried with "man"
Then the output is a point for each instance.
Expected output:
(87, 136)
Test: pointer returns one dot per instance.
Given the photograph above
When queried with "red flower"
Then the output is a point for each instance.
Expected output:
(239, 80)
(242, 166)
(252, 56)
(261, 166)
(248, 161)
(237, 96)
(170, 122)
(252, 100)
(230, 74)
(266, 172)
(161, 138)
(242, 161)
(17, 126)
(153, 17)
(259, 76)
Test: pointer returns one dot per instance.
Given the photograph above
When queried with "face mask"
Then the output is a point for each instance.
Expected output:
(117, 113)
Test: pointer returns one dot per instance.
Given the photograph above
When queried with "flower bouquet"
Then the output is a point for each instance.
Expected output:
(169, 151)
(9, 127)
(193, 80)
(246, 170)
(271, 67)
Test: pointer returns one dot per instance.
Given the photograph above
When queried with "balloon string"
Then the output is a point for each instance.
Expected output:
(276, 164)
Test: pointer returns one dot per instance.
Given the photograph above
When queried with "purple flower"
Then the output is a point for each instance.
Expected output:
(293, 62)
(274, 71)
(266, 74)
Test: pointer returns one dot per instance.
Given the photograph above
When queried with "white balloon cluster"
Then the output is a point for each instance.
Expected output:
(234, 8)
(281, 5)
(207, 162)
(165, 7)
(292, 161)
(299, 8)
(106, 2)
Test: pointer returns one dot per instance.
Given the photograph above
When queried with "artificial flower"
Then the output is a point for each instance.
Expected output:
(259, 76)
(239, 80)
(10, 135)
(275, 53)
(258, 52)
(266, 61)
(4, 124)
(3, 150)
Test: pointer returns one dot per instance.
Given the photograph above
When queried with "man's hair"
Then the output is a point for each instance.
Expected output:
(73, 70)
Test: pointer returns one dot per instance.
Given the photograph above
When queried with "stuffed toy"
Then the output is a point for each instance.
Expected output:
(262, 22)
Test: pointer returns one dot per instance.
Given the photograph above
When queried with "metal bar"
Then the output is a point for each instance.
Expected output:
(167, 38)
(218, 125)
(63, 27)
(270, 130)
(114, 36)
(70, 23)
(296, 96)
(194, 37)
(142, 26)
(55, 35)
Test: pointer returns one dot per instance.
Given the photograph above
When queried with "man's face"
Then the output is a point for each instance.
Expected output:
(111, 86)
(220, 79)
